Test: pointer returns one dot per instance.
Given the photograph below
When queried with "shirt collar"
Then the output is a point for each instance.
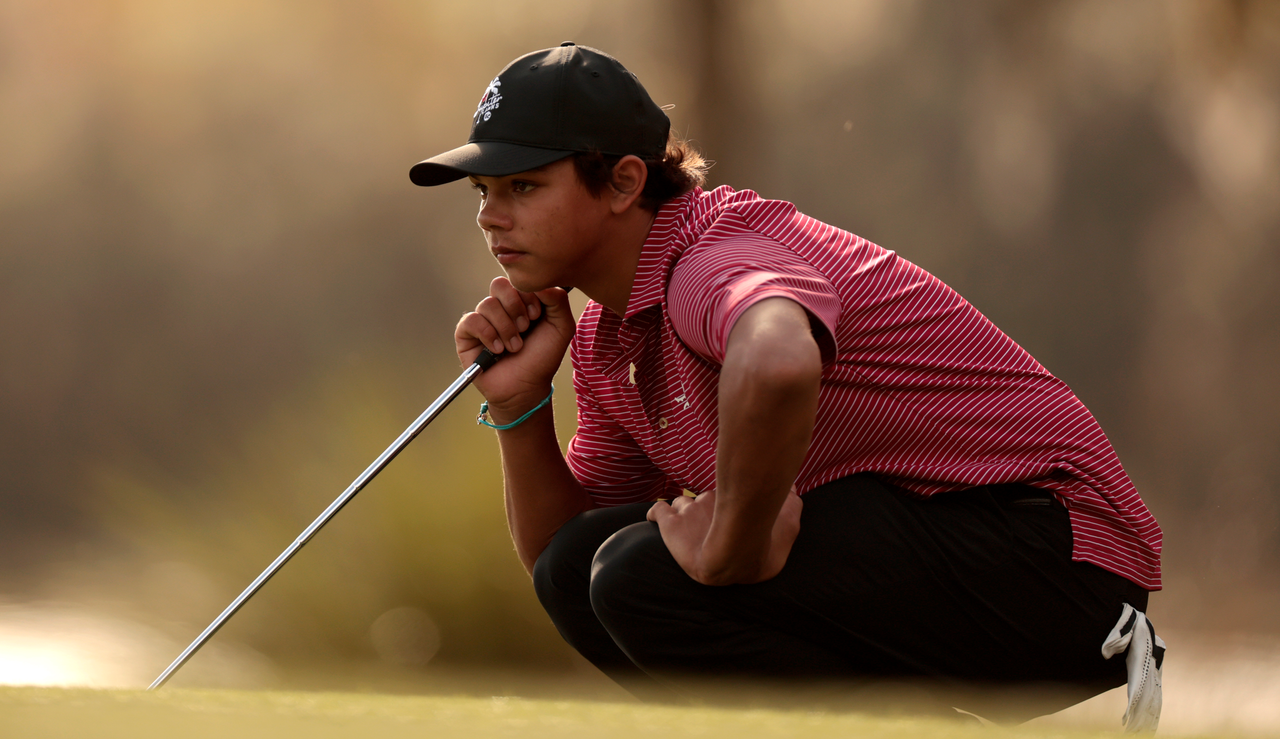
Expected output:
(678, 224)
(661, 249)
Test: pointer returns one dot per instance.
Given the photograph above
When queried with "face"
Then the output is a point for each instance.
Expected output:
(542, 226)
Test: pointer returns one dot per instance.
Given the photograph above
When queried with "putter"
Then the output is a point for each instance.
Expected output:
(482, 363)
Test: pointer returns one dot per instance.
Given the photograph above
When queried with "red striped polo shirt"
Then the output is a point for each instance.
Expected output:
(918, 387)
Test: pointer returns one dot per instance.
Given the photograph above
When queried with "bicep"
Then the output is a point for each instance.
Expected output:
(774, 340)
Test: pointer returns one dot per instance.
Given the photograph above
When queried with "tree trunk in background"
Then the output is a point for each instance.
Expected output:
(725, 125)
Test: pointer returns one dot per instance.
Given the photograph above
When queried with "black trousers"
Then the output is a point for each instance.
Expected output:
(972, 587)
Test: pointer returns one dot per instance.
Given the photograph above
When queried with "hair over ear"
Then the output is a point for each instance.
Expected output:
(680, 169)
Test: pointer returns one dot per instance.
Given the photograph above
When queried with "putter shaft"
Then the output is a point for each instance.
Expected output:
(482, 363)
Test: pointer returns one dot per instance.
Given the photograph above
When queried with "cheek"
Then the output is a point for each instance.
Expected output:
(552, 225)
(578, 218)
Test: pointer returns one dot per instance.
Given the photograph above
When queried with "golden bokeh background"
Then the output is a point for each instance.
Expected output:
(220, 296)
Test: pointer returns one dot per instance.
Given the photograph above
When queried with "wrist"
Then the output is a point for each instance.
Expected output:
(516, 409)
(726, 561)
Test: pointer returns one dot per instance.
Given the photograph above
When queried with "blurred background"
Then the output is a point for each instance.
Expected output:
(221, 298)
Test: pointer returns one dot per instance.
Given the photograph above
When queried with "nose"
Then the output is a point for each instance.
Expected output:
(493, 216)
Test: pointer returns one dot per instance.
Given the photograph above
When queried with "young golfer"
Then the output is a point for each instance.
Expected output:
(798, 455)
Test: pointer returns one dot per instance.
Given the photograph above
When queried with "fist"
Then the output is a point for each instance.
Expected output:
(522, 378)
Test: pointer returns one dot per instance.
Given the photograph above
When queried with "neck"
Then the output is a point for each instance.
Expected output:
(609, 284)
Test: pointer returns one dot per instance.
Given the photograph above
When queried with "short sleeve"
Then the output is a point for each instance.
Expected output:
(713, 285)
(606, 460)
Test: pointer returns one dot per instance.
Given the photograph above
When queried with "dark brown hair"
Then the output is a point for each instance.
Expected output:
(680, 170)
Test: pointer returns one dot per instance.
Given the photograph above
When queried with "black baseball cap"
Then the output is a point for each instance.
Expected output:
(547, 105)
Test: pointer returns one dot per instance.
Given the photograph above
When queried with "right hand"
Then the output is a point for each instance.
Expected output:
(522, 377)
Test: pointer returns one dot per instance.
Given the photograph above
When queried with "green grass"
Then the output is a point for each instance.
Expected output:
(169, 713)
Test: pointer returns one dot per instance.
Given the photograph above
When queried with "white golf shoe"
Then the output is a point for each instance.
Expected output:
(1145, 660)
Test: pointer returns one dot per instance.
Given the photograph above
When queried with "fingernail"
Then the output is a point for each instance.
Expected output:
(522, 323)
(497, 346)
(516, 343)
(533, 312)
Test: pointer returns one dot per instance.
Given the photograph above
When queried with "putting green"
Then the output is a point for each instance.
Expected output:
(192, 714)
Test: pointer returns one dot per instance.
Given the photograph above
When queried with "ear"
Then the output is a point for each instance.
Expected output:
(629, 176)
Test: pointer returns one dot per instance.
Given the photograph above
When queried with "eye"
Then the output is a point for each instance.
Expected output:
(520, 186)
(480, 189)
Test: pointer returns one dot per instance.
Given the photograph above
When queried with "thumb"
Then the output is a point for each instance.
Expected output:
(555, 305)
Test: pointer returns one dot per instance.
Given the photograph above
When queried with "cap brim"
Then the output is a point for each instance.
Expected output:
(484, 158)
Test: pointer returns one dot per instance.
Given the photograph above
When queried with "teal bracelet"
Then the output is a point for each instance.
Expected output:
(484, 413)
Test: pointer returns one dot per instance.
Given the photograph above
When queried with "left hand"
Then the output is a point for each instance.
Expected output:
(686, 523)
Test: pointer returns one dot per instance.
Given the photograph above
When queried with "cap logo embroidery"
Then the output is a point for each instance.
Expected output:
(489, 101)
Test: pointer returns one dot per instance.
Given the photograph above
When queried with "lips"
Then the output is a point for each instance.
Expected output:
(505, 255)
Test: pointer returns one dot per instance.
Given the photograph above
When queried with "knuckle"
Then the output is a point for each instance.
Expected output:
(493, 311)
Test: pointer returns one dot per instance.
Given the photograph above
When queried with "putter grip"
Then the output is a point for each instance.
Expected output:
(487, 358)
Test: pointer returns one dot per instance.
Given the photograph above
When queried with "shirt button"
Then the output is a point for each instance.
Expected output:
(662, 423)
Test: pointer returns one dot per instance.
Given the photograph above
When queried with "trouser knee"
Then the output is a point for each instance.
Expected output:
(626, 591)
(561, 576)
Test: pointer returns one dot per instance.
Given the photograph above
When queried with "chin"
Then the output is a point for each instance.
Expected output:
(528, 284)
(529, 280)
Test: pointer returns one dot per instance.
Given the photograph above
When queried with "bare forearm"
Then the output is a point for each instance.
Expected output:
(768, 399)
(541, 492)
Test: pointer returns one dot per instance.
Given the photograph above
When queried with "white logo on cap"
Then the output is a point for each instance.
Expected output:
(489, 101)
